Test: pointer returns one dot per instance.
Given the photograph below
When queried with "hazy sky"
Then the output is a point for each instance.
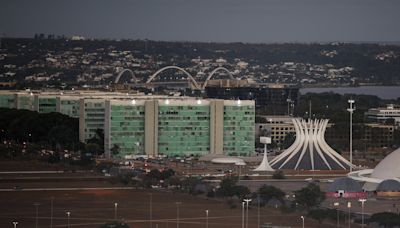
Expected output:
(206, 20)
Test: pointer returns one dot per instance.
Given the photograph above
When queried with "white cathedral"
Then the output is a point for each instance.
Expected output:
(310, 150)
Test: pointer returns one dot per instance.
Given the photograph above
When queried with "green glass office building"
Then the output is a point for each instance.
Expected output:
(68, 105)
(178, 127)
(91, 118)
(45, 103)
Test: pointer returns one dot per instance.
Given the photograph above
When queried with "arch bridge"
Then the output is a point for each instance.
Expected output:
(193, 82)
(122, 72)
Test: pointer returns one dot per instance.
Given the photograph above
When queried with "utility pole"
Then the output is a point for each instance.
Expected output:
(351, 110)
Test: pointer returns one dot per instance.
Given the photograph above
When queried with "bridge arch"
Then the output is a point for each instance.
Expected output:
(177, 68)
(122, 72)
(215, 71)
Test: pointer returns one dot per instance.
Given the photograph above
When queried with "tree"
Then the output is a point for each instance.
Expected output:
(167, 173)
(268, 192)
(189, 184)
(227, 187)
(386, 219)
(310, 196)
(115, 150)
(278, 174)
(98, 139)
(155, 174)
(92, 148)
(173, 181)
(241, 191)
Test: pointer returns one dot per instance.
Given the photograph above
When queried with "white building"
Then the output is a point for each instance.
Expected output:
(383, 114)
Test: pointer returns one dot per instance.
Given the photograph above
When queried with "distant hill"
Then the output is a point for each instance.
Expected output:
(58, 60)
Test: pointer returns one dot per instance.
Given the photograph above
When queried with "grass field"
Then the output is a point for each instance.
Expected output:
(92, 208)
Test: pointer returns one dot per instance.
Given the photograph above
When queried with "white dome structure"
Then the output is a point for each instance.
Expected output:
(388, 168)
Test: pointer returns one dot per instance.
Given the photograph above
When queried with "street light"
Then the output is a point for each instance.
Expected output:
(206, 218)
(336, 205)
(15, 224)
(177, 213)
(243, 214)
(302, 220)
(362, 211)
(349, 207)
(37, 213)
(115, 210)
(247, 211)
(68, 215)
(51, 211)
(351, 110)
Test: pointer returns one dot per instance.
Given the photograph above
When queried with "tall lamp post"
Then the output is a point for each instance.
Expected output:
(37, 213)
(68, 215)
(302, 221)
(247, 211)
(362, 211)
(349, 208)
(243, 214)
(177, 213)
(15, 224)
(351, 110)
(51, 211)
(115, 210)
(336, 205)
(206, 218)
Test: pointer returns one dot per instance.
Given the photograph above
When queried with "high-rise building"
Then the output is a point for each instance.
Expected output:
(7, 100)
(134, 124)
(68, 105)
(91, 118)
(178, 127)
(124, 127)
(384, 114)
(274, 100)
(45, 103)
(25, 101)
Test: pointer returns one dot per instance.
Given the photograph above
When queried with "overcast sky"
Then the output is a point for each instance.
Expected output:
(260, 21)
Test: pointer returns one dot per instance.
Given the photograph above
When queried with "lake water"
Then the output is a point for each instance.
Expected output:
(384, 92)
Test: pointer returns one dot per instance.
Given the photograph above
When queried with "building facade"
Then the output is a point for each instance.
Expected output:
(134, 124)
(178, 127)
(276, 127)
(45, 103)
(91, 118)
(7, 100)
(68, 105)
(274, 100)
(384, 114)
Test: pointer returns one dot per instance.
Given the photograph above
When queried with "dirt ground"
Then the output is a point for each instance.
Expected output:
(94, 207)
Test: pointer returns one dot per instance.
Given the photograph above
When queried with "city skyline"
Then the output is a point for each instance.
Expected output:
(207, 21)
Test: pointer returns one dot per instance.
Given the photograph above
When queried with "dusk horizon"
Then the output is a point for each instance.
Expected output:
(221, 21)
